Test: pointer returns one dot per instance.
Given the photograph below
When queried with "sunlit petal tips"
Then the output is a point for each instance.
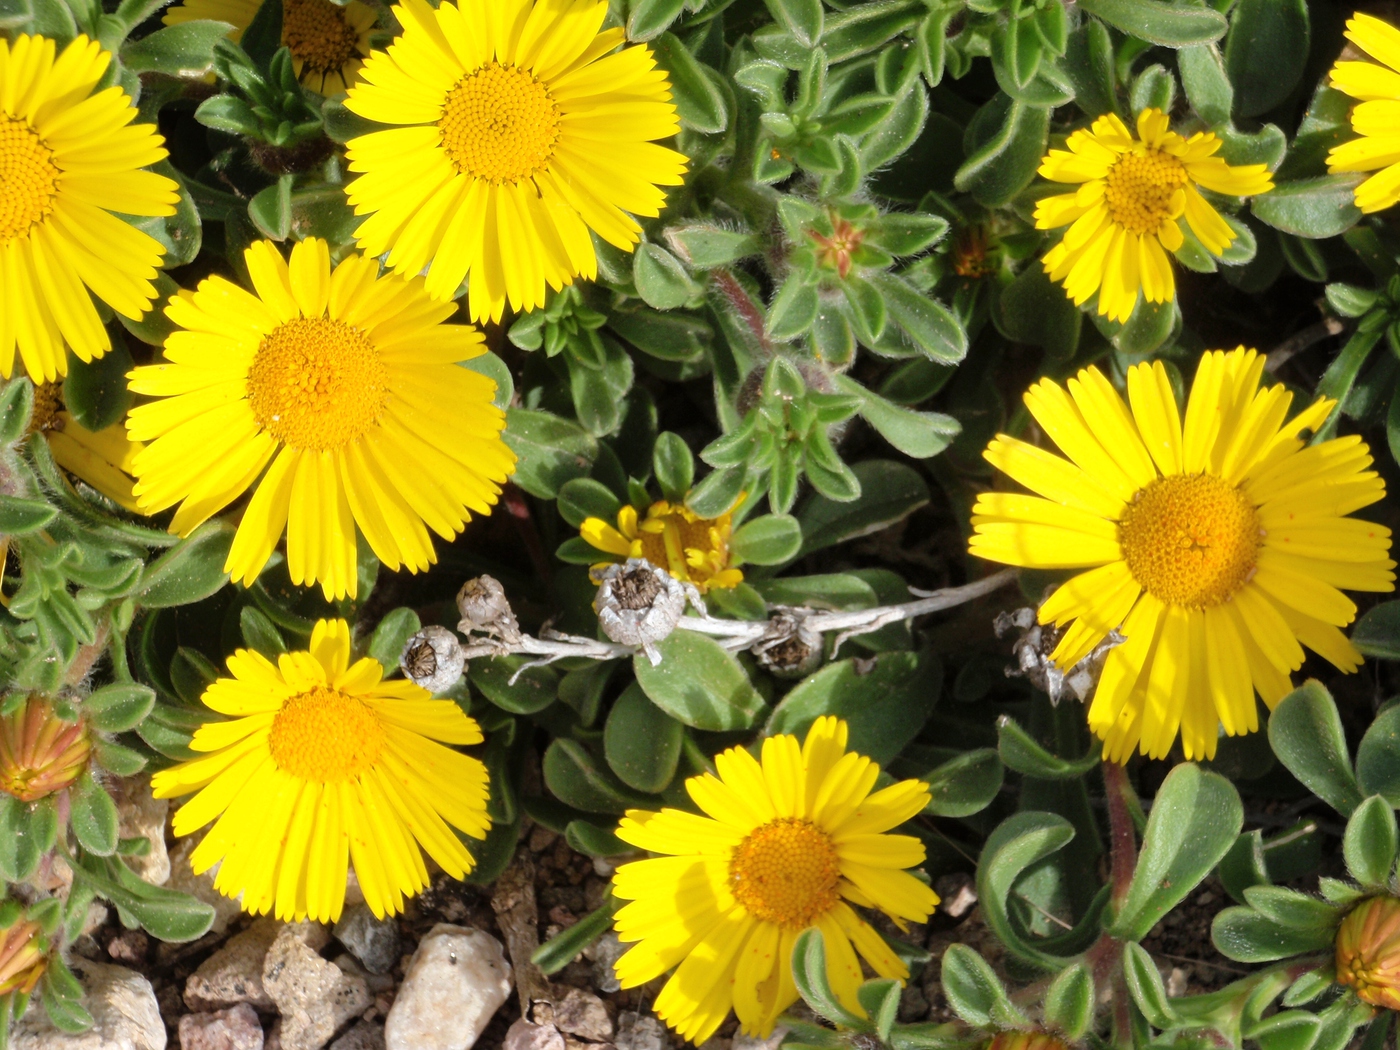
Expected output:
(322, 766)
(521, 132)
(70, 157)
(1215, 543)
(1374, 119)
(1124, 215)
(342, 391)
(328, 42)
(786, 843)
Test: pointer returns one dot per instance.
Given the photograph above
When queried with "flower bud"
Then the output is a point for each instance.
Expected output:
(639, 604)
(433, 658)
(1016, 1040)
(40, 753)
(23, 957)
(1368, 952)
(484, 607)
(790, 649)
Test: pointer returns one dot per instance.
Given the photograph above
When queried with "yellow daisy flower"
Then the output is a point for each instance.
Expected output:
(345, 386)
(691, 548)
(69, 158)
(1215, 545)
(103, 458)
(1375, 120)
(324, 765)
(784, 846)
(1126, 214)
(523, 133)
(329, 42)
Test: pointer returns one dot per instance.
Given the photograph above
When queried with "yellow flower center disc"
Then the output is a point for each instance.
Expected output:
(1190, 539)
(786, 872)
(1144, 190)
(325, 736)
(317, 33)
(48, 403)
(317, 383)
(28, 178)
(500, 124)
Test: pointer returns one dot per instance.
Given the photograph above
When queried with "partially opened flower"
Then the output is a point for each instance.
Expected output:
(1215, 545)
(1378, 88)
(345, 387)
(1126, 214)
(41, 753)
(1368, 951)
(323, 765)
(520, 132)
(101, 458)
(672, 537)
(23, 960)
(70, 157)
(329, 42)
(785, 844)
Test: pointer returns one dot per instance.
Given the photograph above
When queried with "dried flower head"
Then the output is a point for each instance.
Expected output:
(790, 649)
(639, 604)
(1368, 952)
(1034, 649)
(433, 658)
(40, 753)
(484, 607)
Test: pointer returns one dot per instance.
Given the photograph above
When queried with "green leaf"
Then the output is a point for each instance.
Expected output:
(93, 816)
(551, 450)
(699, 683)
(95, 392)
(592, 841)
(1020, 751)
(1033, 309)
(531, 690)
(794, 308)
(18, 514)
(1004, 146)
(927, 324)
(1315, 208)
(700, 95)
(1069, 1001)
(184, 50)
(1018, 842)
(1370, 842)
(641, 742)
(1245, 935)
(674, 466)
(1378, 757)
(650, 18)
(971, 986)
(122, 761)
(1306, 734)
(563, 948)
(263, 37)
(166, 914)
(918, 434)
(771, 539)
(1287, 1030)
(229, 114)
(16, 406)
(966, 784)
(801, 18)
(391, 635)
(118, 707)
(575, 778)
(1378, 632)
(585, 498)
(271, 209)
(1244, 865)
(661, 279)
(1169, 24)
(889, 492)
(706, 247)
(1196, 817)
(191, 570)
(1146, 987)
(1207, 86)
(1265, 52)
(1349, 300)
(885, 705)
(1291, 908)
(810, 975)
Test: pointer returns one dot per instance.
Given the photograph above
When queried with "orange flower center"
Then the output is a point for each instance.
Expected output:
(1190, 539)
(325, 736)
(1143, 190)
(786, 872)
(317, 33)
(692, 549)
(1368, 951)
(28, 178)
(500, 124)
(317, 384)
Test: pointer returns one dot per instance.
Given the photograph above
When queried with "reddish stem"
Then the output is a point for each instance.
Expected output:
(742, 305)
(1122, 841)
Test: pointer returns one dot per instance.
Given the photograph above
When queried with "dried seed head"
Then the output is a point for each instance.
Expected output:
(1032, 648)
(790, 649)
(433, 658)
(484, 607)
(639, 604)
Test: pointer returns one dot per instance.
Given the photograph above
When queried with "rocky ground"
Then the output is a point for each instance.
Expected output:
(452, 972)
